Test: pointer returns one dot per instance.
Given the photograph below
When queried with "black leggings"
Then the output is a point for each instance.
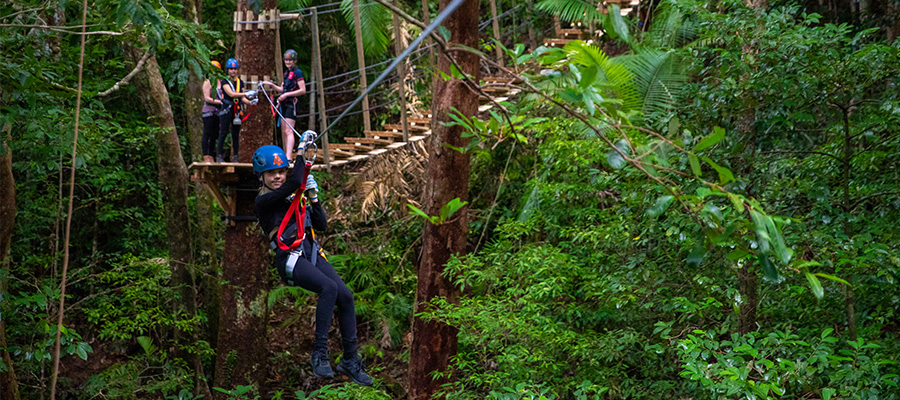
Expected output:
(224, 126)
(322, 279)
(210, 133)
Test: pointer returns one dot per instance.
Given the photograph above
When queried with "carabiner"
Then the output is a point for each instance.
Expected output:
(307, 141)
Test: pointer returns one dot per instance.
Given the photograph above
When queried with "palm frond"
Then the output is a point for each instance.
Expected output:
(670, 28)
(615, 77)
(658, 78)
(375, 20)
(571, 10)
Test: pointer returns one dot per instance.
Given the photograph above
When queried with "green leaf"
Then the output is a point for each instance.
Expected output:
(421, 213)
(695, 165)
(725, 174)
(696, 255)
(762, 235)
(827, 393)
(146, 343)
(662, 203)
(616, 25)
(737, 254)
(449, 209)
(769, 271)
(781, 250)
(737, 201)
(832, 277)
(716, 137)
(815, 285)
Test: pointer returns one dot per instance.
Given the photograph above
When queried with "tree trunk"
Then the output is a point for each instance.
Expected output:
(241, 352)
(747, 281)
(746, 127)
(173, 179)
(434, 343)
(9, 386)
(846, 157)
(205, 246)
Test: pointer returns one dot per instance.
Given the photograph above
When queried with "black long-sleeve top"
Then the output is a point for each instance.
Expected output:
(272, 207)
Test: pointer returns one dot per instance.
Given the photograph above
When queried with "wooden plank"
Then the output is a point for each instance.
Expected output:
(383, 134)
(351, 147)
(556, 42)
(397, 145)
(248, 17)
(234, 24)
(419, 121)
(336, 163)
(399, 128)
(341, 153)
(370, 141)
(359, 157)
(274, 16)
(416, 138)
(259, 20)
(377, 152)
(566, 33)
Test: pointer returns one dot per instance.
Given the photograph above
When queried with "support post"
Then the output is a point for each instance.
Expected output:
(401, 73)
(361, 58)
(312, 90)
(496, 23)
(317, 55)
(426, 18)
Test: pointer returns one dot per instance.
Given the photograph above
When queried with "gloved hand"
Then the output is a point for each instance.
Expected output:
(254, 101)
(312, 188)
(251, 94)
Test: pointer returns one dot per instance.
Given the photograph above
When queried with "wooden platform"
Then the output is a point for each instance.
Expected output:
(219, 179)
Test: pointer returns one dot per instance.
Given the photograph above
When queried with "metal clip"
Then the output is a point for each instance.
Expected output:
(307, 143)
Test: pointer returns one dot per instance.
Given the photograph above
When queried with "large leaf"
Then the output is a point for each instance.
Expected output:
(815, 285)
(658, 78)
(615, 25)
(375, 20)
(716, 137)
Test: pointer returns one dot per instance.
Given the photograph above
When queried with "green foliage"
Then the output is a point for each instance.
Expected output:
(446, 212)
(783, 364)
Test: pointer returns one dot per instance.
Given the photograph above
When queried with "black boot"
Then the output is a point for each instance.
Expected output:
(354, 369)
(219, 158)
(321, 365)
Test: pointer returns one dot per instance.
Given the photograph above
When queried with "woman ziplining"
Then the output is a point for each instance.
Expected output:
(290, 224)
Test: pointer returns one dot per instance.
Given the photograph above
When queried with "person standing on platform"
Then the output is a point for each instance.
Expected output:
(292, 87)
(212, 104)
(233, 96)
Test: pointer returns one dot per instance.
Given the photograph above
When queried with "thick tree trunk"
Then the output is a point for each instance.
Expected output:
(434, 343)
(205, 251)
(9, 386)
(173, 179)
(241, 353)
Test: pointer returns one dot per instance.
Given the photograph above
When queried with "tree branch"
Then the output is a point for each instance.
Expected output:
(127, 78)
(804, 152)
(858, 202)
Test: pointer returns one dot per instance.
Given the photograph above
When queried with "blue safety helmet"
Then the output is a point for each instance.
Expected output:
(291, 54)
(269, 157)
(231, 63)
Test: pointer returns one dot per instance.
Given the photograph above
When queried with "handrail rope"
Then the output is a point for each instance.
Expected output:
(371, 107)
(413, 75)
(454, 4)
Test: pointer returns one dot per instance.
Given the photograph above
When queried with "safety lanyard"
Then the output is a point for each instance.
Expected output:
(298, 211)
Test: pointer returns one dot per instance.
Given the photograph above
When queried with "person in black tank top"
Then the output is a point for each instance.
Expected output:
(292, 87)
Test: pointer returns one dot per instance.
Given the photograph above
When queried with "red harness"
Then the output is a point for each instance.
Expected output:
(298, 211)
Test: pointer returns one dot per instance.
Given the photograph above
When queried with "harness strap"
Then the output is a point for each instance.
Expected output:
(298, 212)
